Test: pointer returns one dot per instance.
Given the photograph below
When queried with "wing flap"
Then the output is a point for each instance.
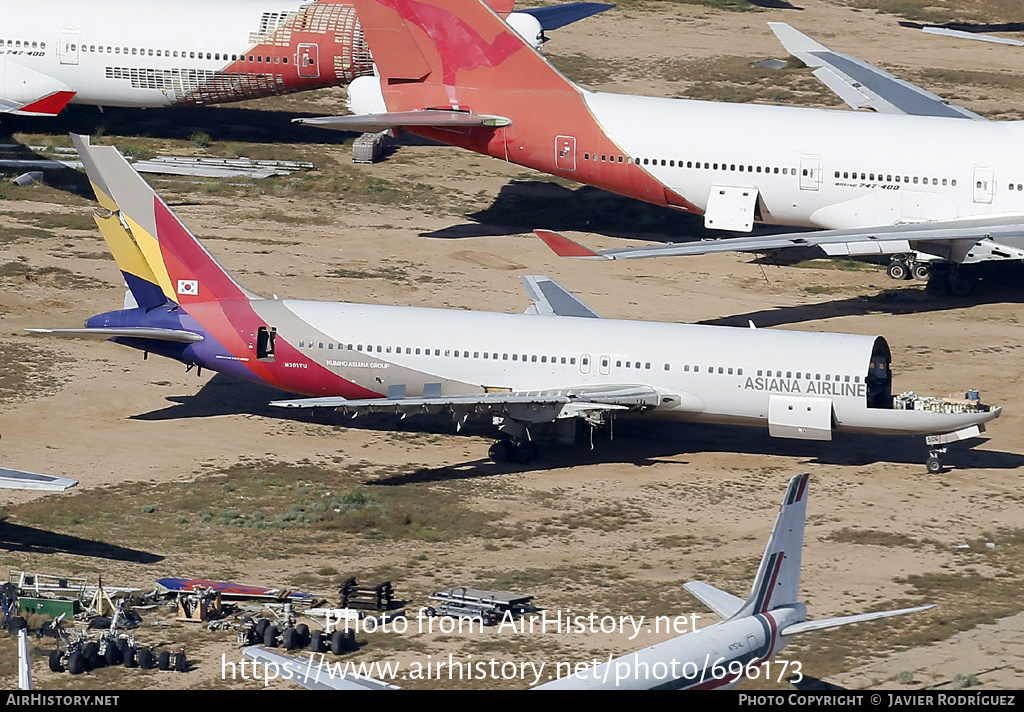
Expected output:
(532, 406)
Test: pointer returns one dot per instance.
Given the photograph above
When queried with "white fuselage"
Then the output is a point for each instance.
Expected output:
(704, 373)
(822, 168)
(716, 657)
(148, 53)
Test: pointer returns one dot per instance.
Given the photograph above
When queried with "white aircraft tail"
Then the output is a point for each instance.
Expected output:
(778, 577)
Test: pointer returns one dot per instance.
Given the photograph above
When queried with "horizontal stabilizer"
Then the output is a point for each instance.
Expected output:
(808, 626)
(19, 479)
(555, 16)
(725, 605)
(132, 332)
(862, 85)
(371, 123)
(563, 246)
(26, 92)
(552, 299)
(312, 672)
(979, 36)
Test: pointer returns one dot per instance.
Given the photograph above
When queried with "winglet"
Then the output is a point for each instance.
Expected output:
(563, 246)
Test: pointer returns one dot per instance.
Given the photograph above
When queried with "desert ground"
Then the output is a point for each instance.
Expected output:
(195, 475)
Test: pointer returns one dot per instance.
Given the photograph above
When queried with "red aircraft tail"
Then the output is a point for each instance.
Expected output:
(450, 54)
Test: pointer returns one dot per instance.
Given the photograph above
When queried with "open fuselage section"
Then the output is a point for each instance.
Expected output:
(797, 382)
(148, 53)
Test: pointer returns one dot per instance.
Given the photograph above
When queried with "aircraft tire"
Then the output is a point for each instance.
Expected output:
(180, 661)
(304, 637)
(337, 642)
(91, 656)
(113, 654)
(921, 271)
(146, 659)
(961, 286)
(349, 638)
(163, 661)
(501, 451)
(270, 636)
(525, 453)
(261, 627)
(317, 644)
(938, 285)
(55, 663)
(898, 270)
(934, 465)
(131, 657)
(290, 639)
(76, 665)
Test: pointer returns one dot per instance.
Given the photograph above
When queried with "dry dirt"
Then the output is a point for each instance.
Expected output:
(682, 503)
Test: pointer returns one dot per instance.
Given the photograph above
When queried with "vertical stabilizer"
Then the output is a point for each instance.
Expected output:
(778, 577)
(174, 259)
(450, 54)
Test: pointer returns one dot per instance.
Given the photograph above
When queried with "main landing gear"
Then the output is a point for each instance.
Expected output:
(942, 277)
(946, 279)
(522, 452)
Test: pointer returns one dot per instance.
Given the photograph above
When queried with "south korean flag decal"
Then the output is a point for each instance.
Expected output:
(189, 287)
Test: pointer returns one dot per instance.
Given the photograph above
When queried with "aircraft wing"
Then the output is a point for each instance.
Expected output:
(555, 16)
(862, 85)
(551, 298)
(19, 479)
(313, 673)
(588, 402)
(972, 239)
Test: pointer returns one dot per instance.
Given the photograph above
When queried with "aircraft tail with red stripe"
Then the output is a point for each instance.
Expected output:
(778, 577)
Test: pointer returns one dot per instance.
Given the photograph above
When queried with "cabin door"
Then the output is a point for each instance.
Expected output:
(69, 46)
(308, 59)
(810, 172)
(984, 185)
(565, 153)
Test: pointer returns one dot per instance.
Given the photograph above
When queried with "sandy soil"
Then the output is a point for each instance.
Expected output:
(118, 418)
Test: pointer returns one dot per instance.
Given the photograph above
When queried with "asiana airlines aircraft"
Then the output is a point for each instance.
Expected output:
(556, 363)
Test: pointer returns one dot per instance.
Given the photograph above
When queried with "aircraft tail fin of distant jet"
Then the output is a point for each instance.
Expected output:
(778, 577)
(151, 244)
(452, 54)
